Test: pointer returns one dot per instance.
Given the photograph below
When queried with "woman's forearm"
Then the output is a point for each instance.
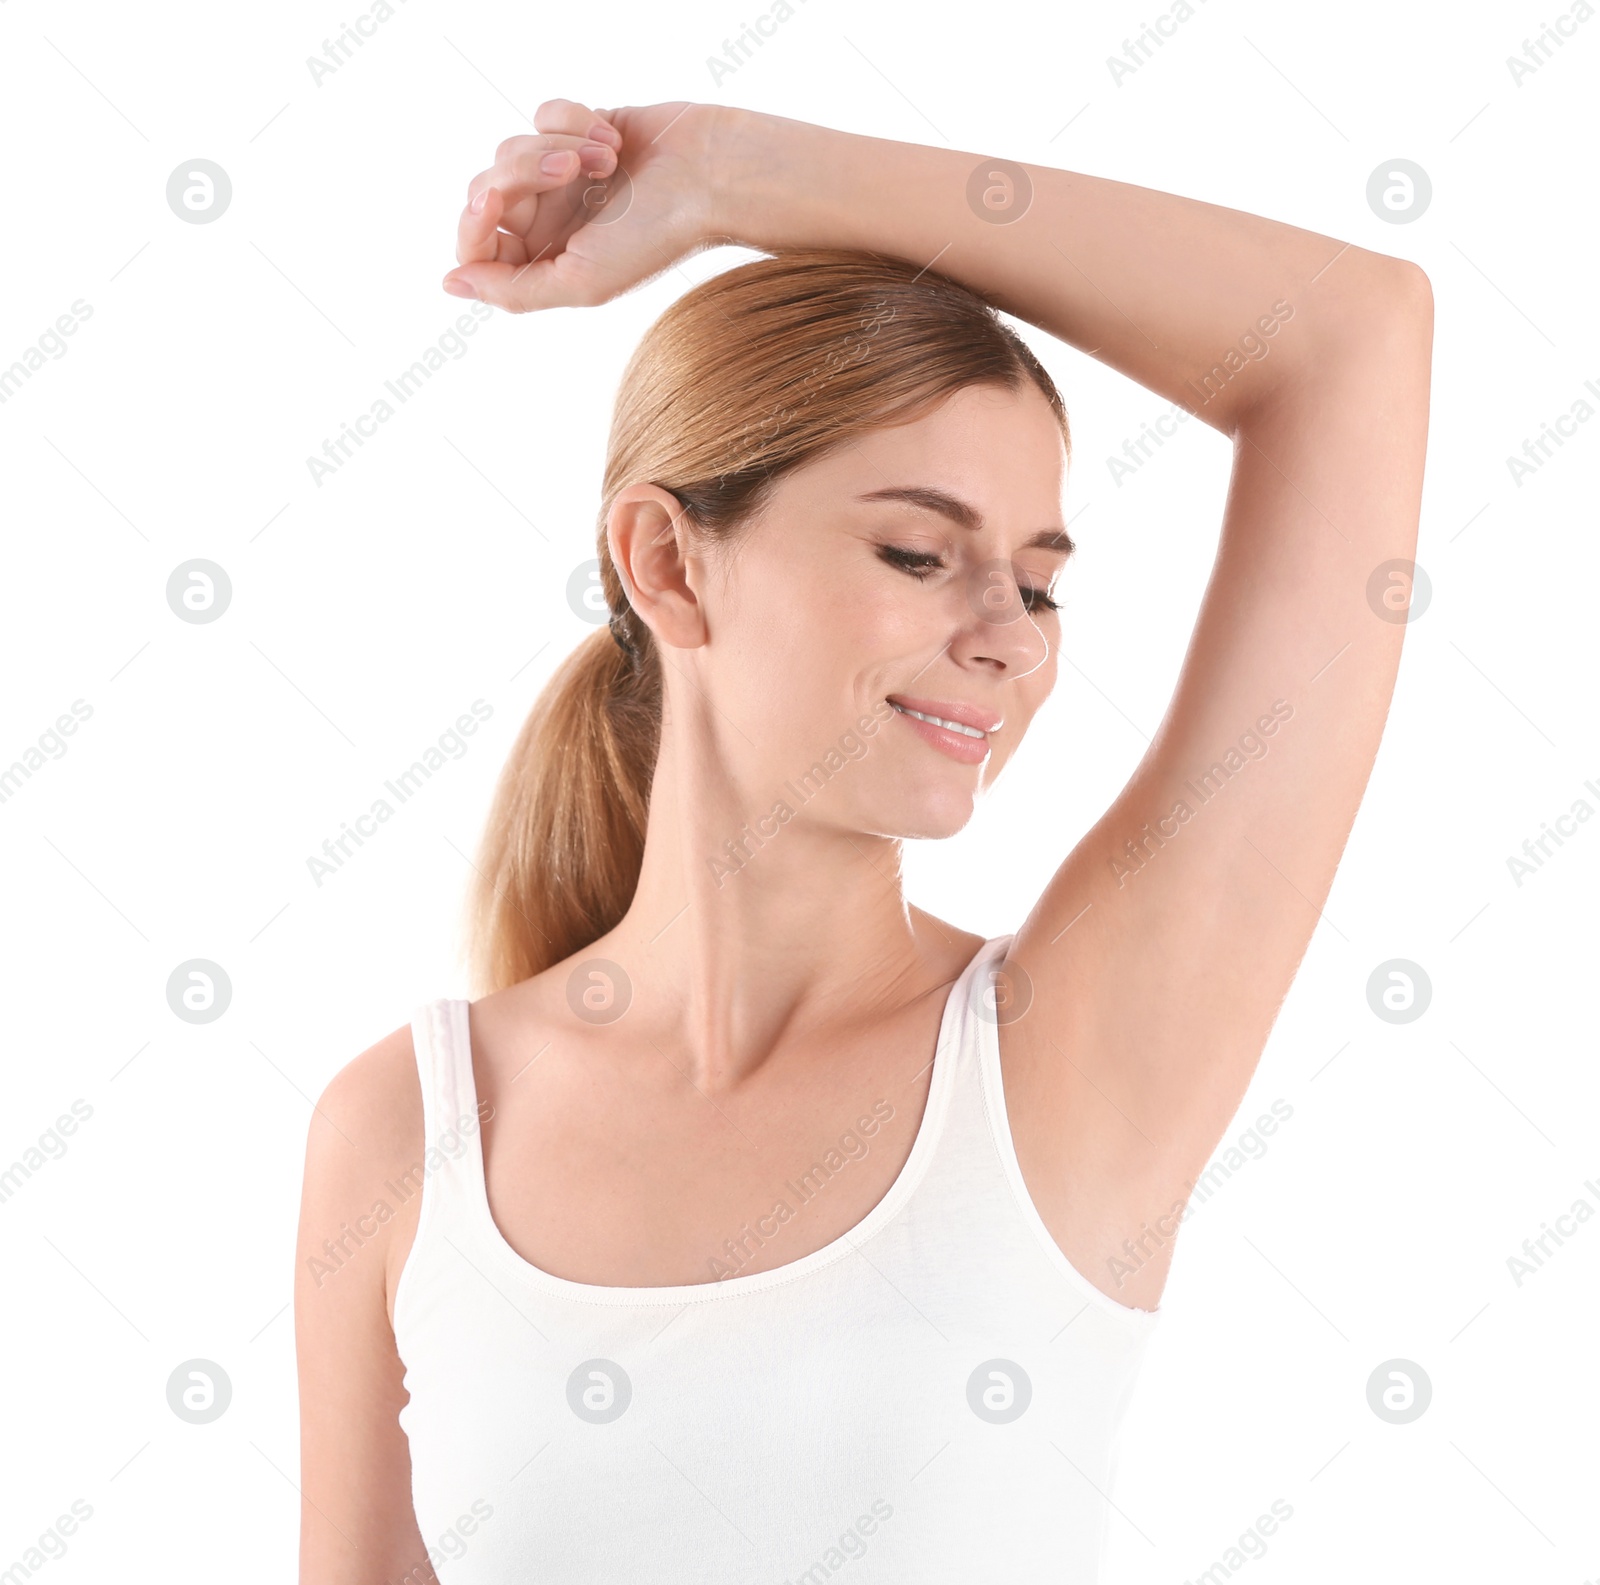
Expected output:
(1213, 308)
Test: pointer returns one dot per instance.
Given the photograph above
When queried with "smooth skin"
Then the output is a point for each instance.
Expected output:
(772, 1006)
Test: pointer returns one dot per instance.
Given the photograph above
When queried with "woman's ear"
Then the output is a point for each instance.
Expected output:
(648, 532)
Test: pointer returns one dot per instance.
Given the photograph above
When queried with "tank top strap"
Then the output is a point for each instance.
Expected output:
(981, 1004)
(970, 1012)
(452, 1161)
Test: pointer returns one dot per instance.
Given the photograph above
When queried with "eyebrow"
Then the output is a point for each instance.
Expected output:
(927, 499)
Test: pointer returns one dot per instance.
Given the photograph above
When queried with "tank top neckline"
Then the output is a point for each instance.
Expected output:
(494, 1242)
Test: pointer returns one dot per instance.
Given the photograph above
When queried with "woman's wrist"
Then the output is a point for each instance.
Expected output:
(773, 182)
(781, 183)
(733, 197)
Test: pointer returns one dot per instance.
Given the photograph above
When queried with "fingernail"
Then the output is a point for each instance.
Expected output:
(555, 164)
(603, 133)
(459, 288)
(596, 154)
(476, 206)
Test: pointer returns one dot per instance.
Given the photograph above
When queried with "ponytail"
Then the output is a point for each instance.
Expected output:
(561, 853)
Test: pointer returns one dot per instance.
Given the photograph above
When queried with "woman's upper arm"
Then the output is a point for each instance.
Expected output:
(1161, 951)
(357, 1525)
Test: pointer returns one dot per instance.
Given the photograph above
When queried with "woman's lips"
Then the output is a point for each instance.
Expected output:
(961, 731)
(951, 711)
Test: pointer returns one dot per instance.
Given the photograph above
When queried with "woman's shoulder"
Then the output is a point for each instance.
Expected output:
(366, 1132)
(376, 1096)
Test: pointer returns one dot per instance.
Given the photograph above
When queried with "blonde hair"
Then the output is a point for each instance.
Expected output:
(743, 379)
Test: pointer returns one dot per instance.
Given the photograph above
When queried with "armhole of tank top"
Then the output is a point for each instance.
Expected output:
(986, 1033)
(430, 1040)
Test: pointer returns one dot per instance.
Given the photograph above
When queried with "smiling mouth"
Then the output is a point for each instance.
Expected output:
(935, 720)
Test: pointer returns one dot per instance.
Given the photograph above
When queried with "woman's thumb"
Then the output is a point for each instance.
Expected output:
(517, 288)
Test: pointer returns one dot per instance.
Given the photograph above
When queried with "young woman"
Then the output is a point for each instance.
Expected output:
(753, 1223)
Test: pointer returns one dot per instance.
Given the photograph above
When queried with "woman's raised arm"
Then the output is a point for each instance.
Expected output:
(1160, 951)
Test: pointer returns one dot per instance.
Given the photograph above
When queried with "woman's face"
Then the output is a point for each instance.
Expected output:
(854, 597)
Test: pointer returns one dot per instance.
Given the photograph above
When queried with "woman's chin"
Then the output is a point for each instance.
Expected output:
(930, 820)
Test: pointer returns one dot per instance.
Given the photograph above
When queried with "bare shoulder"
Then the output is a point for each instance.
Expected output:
(377, 1092)
(365, 1135)
(357, 1524)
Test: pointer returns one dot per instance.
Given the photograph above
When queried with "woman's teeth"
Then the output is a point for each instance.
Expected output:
(933, 720)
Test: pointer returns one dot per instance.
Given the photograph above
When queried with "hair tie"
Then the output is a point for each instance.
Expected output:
(624, 639)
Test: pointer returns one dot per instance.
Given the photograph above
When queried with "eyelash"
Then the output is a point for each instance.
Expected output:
(921, 563)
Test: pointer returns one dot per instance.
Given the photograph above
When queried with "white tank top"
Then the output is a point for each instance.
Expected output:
(933, 1396)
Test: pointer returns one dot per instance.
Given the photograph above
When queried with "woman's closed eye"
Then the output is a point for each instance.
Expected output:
(922, 564)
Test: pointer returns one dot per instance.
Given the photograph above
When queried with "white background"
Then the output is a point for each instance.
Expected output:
(370, 611)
